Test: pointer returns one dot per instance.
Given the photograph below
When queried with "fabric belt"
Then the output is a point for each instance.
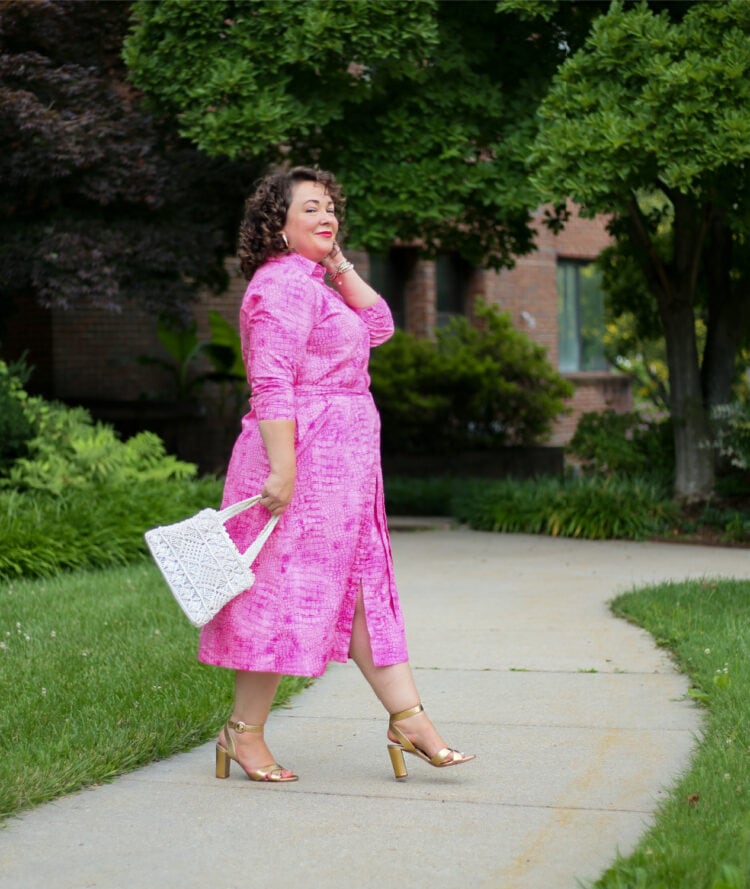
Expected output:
(328, 390)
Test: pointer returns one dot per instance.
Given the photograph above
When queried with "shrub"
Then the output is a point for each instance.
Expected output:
(412, 410)
(69, 450)
(587, 507)
(16, 427)
(419, 496)
(92, 526)
(732, 433)
(474, 387)
(186, 353)
(608, 443)
(80, 497)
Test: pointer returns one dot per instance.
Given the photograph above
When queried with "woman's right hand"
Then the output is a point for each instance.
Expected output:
(333, 258)
(277, 492)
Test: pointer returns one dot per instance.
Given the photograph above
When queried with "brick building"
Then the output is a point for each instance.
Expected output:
(90, 356)
(553, 295)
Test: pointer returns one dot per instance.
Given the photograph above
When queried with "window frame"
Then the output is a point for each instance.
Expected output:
(574, 352)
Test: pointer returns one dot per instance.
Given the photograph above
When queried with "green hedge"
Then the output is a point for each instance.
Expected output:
(587, 507)
(94, 526)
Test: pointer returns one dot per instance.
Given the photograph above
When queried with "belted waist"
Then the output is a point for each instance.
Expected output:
(329, 390)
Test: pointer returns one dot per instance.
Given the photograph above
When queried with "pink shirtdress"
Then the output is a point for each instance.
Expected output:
(306, 353)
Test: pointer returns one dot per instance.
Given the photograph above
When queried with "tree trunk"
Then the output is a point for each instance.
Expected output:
(726, 321)
(694, 456)
(674, 284)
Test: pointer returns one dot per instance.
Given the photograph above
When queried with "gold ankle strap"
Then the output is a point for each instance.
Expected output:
(405, 714)
(244, 727)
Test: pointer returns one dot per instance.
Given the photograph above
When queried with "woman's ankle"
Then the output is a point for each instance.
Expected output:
(421, 731)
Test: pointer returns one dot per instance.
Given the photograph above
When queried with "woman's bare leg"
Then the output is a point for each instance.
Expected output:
(394, 687)
(253, 696)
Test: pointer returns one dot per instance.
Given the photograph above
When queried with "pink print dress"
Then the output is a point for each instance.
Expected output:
(306, 353)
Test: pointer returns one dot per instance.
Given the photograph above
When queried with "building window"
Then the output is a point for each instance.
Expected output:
(389, 275)
(452, 277)
(580, 317)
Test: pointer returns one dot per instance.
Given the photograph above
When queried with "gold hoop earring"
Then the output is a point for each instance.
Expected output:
(283, 238)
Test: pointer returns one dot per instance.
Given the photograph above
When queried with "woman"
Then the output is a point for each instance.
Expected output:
(324, 587)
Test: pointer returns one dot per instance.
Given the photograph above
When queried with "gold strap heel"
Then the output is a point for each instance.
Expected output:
(223, 762)
(398, 762)
(443, 758)
(224, 755)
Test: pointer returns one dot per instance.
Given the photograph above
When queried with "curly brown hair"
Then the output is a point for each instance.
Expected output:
(266, 209)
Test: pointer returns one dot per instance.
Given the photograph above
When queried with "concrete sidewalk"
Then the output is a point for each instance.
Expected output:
(580, 724)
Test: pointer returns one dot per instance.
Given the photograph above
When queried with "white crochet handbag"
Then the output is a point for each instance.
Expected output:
(200, 562)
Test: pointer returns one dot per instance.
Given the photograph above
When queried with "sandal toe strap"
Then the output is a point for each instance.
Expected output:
(448, 757)
(272, 772)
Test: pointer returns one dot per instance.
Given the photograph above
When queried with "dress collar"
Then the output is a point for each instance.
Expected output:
(314, 269)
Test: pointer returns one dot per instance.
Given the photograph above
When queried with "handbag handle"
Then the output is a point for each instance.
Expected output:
(251, 554)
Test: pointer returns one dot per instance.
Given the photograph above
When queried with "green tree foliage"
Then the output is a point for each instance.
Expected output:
(425, 110)
(643, 359)
(649, 120)
(101, 200)
(474, 387)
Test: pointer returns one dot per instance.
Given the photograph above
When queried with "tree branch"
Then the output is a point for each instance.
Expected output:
(654, 266)
(700, 240)
(667, 189)
(691, 226)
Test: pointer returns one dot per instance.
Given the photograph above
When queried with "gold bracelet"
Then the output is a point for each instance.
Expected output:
(342, 267)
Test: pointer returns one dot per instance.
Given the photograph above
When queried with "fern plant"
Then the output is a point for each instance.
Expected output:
(70, 450)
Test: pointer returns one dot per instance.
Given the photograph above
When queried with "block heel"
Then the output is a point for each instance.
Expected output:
(223, 762)
(443, 758)
(396, 754)
(273, 772)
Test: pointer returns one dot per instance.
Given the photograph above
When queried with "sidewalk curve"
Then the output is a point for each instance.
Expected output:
(580, 725)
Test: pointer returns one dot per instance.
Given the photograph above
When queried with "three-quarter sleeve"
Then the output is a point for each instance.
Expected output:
(379, 321)
(276, 320)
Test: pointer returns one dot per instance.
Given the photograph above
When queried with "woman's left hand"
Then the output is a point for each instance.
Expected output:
(333, 259)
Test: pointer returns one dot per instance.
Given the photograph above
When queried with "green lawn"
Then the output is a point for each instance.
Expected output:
(98, 676)
(701, 838)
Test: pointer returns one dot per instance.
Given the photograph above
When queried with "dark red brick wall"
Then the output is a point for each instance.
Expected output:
(27, 332)
(95, 352)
